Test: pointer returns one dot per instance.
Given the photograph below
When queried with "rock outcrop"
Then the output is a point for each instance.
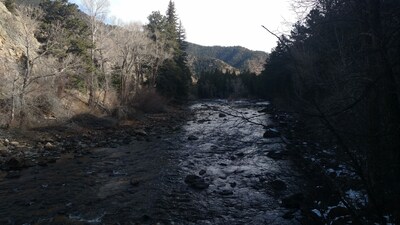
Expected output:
(14, 33)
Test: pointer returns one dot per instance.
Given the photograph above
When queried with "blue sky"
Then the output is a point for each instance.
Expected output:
(217, 22)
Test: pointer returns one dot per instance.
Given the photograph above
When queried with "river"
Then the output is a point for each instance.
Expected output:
(232, 180)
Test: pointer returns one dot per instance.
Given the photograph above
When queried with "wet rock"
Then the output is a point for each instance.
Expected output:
(49, 146)
(271, 133)
(4, 152)
(202, 121)
(192, 138)
(277, 155)
(233, 184)
(141, 132)
(202, 172)
(13, 174)
(134, 182)
(14, 163)
(145, 218)
(240, 154)
(226, 192)
(278, 185)
(293, 201)
(6, 142)
(343, 220)
(313, 217)
(14, 143)
(289, 214)
(2, 145)
(338, 211)
(266, 110)
(221, 115)
(196, 182)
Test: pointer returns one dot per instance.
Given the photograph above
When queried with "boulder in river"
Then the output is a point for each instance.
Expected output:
(196, 182)
(226, 192)
(192, 138)
(271, 133)
(277, 155)
(13, 174)
(338, 211)
(14, 163)
(202, 172)
(293, 201)
(141, 132)
(278, 185)
(134, 182)
(222, 115)
(49, 146)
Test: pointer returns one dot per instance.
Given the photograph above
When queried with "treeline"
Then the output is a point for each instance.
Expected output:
(107, 66)
(229, 84)
(218, 84)
(339, 69)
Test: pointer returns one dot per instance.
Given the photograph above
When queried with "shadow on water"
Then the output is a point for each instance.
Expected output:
(147, 182)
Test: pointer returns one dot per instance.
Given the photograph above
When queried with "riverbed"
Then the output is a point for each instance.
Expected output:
(217, 168)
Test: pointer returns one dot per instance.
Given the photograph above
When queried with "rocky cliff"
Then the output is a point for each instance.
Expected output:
(14, 33)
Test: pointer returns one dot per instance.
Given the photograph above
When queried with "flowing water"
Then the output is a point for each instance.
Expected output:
(144, 182)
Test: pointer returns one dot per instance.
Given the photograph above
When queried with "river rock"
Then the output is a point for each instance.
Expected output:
(271, 133)
(289, 214)
(202, 121)
(277, 155)
(13, 174)
(202, 172)
(14, 143)
(278, 185)
(293, 201)
(222, 115)
(338, 211)
(240, 154)
(2, 144)
(4, 152)
(141, 132)
(196, 182)
(313, 216)
(14, 163)
(134, 182)
(226, 192)
(49, 146)
(192, 138)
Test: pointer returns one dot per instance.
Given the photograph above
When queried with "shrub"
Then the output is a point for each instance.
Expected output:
(149, 101)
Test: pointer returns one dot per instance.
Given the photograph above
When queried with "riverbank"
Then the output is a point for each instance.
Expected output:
(40, 146)
(335, 193)
(220, 166)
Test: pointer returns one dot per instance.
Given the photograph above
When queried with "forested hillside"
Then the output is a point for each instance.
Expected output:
(339, 70)
(240, 58)
(58, 61)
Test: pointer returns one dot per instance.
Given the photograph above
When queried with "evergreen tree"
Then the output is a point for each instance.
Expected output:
(156, 26)
(60, 15)
(174, 78)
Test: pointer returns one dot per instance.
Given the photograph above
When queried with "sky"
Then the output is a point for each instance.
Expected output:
(217, 22)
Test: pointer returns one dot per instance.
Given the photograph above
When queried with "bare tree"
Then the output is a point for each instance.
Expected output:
(135, 52)
(39, 70)
(97, 11)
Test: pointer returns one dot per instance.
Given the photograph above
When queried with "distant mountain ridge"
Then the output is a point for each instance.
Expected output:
(234, 59)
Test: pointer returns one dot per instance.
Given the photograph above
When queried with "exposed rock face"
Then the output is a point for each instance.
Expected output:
(12, 35)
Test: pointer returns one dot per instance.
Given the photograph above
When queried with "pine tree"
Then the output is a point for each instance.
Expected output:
(174, 78)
